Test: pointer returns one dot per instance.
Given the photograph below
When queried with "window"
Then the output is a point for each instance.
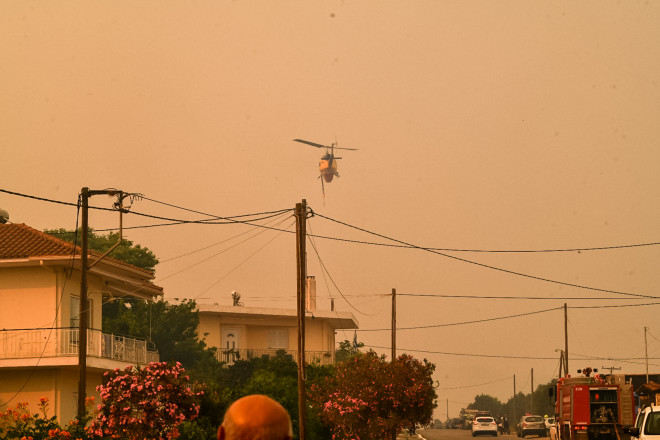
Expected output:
(278, 338)
(652, 423)
(74, 312)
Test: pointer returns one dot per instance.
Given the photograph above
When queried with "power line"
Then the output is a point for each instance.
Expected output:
(231, 220)
(331, 279)
(464, 322)
(480, 355)
(238, 265)
(486, 266)
(402, 245)
(216, 254)
(588, 298)
(476, 385)
(614, 306)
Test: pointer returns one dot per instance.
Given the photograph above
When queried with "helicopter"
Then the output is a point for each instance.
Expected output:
(328, 163)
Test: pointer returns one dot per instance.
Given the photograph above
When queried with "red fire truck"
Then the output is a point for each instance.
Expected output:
(593, 408)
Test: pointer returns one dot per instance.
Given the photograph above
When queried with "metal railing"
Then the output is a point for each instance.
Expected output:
(31, 343)
(311, 357)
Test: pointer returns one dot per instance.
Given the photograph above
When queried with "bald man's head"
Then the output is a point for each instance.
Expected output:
(256, 417)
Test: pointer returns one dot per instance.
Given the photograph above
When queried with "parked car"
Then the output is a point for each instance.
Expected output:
(549, 423)
(647, 425)
(484, 425)
(531, 425)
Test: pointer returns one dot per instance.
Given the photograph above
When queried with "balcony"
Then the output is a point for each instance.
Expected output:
(311, 357)
(64, 342)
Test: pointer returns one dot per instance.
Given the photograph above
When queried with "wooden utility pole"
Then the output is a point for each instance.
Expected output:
(646, 354)
(394, 325)
(82, 309)
(566, 370)
(532, 394)
(301, 257)
(515, 416)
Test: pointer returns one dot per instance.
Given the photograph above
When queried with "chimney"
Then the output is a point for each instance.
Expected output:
(310, 294)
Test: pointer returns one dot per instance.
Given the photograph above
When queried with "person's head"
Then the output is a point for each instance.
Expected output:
(256, 417)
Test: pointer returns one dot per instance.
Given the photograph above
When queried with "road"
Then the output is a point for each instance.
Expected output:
(456, 434)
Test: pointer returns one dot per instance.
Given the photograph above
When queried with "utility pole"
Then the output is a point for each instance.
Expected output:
(611, 369)
(566, 370)
(515, 416)
(447, 409)
(531, 396)
(393, 435)
(646, 354)
(301, 257)
(393, 325)
(83, 311)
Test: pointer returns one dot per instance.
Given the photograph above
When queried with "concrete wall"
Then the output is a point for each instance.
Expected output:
(254, 331)
(58, 385)
(30, 297)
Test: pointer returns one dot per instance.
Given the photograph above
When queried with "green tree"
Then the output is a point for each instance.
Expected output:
(172, 328)
(127, 252)
(275, 376)
(484, 402)
(347, 350)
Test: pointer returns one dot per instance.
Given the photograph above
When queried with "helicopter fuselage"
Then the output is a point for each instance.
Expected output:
(328, 167)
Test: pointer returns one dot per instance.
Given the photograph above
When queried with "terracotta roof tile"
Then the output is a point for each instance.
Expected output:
(22, 241)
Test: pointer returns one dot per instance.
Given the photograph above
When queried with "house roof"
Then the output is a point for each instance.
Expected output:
(21, 242)
(339, 320)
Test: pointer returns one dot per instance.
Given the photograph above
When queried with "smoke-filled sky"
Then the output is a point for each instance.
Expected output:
(484, 129)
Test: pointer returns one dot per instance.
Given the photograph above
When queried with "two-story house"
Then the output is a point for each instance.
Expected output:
(244, 332)
(39, 327)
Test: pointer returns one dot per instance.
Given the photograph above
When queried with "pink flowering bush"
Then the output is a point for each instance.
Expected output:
(18, 423)
(148, 403)
(367, 397)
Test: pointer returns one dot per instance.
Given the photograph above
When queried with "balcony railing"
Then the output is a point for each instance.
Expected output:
(56, 342)
(311, 357)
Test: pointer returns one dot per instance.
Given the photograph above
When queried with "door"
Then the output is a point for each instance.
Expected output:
(231, 337)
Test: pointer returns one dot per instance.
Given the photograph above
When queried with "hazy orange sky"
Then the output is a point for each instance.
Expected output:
(481, 126)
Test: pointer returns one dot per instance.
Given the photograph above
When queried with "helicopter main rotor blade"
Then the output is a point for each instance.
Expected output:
(313, 144)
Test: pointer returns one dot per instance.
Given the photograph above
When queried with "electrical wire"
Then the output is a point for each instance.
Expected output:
(216, 254)
(587, 298)
(230, 220)
(486, 251)
(476, 385)
(486, 266)
(402, 245)
(238, 265)
(615, 306)
(464, 322)
(58, 309)
(448, 353)
(624, 360)
(331, 279)
(651, 334)
(206, 247)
